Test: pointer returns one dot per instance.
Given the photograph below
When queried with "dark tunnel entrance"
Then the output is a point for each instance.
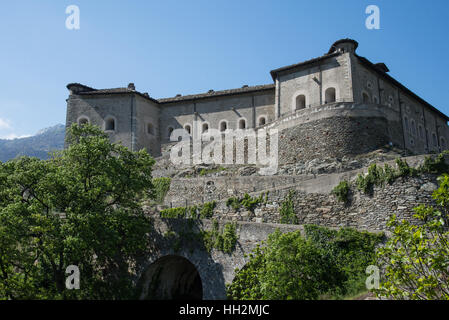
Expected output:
(172, 278)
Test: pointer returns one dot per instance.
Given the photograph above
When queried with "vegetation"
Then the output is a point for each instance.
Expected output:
(161, 187)
(224, 240)
(204, 171)
(248, 202)
(323, 264)
(287, 210)
(81, 207)
(341, 191)
(415, 260)
(191, 212)
(378, 176)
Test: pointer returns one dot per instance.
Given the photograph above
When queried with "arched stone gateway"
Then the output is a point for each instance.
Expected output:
(172, 278)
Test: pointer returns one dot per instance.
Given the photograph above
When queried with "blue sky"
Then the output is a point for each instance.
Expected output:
(170, 47)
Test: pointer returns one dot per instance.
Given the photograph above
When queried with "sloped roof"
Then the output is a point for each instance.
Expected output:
(220, 93)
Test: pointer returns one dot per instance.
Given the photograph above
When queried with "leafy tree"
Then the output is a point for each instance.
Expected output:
(81, 207)
(415, 260)
(287, 267)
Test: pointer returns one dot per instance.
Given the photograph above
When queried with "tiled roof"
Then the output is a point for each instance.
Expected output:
(307, 62)
(212, 93)
(91, 91)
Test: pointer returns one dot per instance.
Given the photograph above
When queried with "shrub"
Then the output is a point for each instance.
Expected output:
(287, 210)
(341, 191)
(161, 187)
(415, 258)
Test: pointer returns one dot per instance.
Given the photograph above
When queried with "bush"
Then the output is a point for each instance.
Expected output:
(415, 259)
(287, 210)
(192, 212)
(341, 191)
(161, 187)
(224, 240)
(290, 266)
(247, 201)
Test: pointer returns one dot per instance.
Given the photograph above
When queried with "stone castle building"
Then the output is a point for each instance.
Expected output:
(334, 105)
(333, 114)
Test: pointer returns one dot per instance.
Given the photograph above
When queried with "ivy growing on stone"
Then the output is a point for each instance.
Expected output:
(161, 187)
(287, 210)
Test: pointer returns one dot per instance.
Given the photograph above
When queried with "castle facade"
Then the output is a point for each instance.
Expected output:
(331, 106)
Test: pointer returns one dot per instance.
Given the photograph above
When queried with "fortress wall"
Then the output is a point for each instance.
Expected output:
(332, 138)
(147, 112)
(333, 131)
(364, 212)
(175, 116)
(333, 72)
(199, 190)
(213, 110)
(412, 110)
(98, 107)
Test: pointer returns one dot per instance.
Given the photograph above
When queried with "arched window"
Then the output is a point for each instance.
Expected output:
(420, 132)
(242, 124)
(413, 127)
(329, 95)
(365, 97)
(407, 128)
(205, 127)
(109, 124)
(434, 139)
(188, 128)
(262, 121)
(300, 102)
(223, 126)
(83, 121)
(150, 128)
(169, 131)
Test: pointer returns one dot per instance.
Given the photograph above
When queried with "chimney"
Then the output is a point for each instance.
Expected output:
(131, 86)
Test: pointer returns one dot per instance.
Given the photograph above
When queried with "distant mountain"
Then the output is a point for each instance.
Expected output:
(39, 145)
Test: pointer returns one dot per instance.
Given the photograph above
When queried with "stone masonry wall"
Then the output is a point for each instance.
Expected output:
(363, 212)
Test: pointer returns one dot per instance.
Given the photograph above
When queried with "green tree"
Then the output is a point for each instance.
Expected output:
(287, 267)
(80, 208)
(415, 260)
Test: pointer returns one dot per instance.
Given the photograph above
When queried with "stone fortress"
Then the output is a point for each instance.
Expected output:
(335, 114)
(336, 104)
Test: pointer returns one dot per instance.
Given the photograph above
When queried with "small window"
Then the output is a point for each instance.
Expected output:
(413, 127)
(188, 128)
(407, 127)
(242, 124)
(262, 121)
(365, 97)
(110, 124)
(223, 126)
(412, 142)
(205, 127)
(83, 121)
(420, 132)
(169, 131)
(300, 102)
(329, 95)
(434, 139)
(150, 128)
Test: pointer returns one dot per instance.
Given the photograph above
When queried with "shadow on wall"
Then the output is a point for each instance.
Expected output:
(180, 267)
